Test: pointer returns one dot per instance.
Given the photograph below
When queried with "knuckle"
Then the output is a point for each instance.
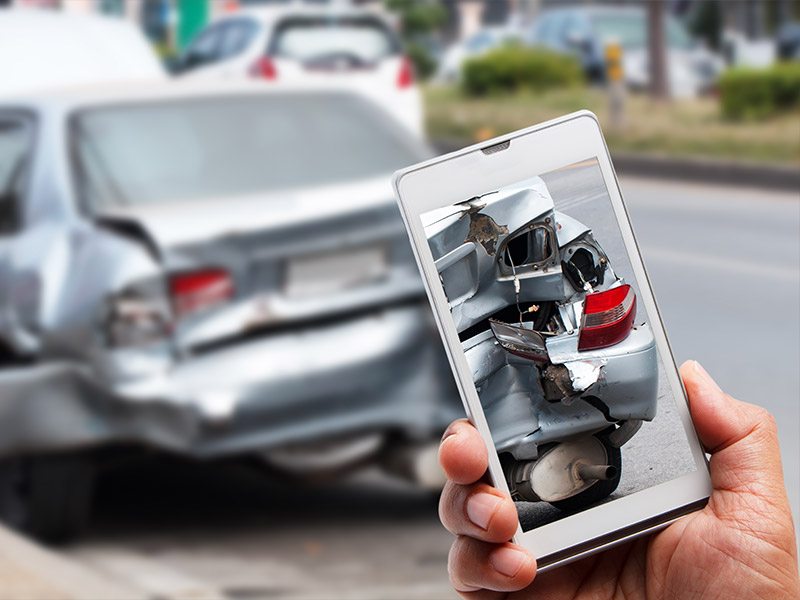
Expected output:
(457, 566)
(764, 420)
(769, 427)
(452, 496)
(769, 421)
(462, 515)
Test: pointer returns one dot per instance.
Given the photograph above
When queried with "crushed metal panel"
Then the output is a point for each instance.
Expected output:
(484, 356)
(485, 223)
(557, 422)
(584, 373)
(569, 229)
(509, 405)
(485, 231)
(563, 348)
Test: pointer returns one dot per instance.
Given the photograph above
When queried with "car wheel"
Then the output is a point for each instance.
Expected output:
(602, 488)
(48, 497)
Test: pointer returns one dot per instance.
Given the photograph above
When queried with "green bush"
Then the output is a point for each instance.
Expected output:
(424, 63)
(515, 67)
(748, 93)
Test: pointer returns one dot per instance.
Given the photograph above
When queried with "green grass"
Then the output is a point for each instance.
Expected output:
(685, 128)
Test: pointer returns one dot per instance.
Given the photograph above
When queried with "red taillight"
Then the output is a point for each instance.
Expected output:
(264, 68)
(405, 78)
(608, 317)
(199, 290)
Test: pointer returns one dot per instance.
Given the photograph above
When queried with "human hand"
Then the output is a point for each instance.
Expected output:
(741, 545)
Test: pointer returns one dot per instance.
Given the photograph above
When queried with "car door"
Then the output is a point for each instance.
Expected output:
(16, 148)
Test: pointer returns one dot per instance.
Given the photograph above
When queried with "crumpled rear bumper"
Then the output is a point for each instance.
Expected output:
(384, 370)
(621, 383)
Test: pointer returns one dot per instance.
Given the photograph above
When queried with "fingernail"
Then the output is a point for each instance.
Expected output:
(507, 561)
(705, 376)
(450, 431)
(480, 509)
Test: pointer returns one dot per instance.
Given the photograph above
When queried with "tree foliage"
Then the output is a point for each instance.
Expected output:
(418, 19)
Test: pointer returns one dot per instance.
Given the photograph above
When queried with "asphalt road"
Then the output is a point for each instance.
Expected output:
(724, 263)
(725, 266)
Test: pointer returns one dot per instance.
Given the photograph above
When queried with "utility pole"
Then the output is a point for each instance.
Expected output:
(659, 86)
(616, 86)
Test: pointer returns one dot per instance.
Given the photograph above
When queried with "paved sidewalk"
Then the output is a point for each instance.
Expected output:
(30, 572)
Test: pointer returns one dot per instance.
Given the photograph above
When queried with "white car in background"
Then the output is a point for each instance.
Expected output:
(354, 46)
(477, 44)
(43, 49)
(584, 32)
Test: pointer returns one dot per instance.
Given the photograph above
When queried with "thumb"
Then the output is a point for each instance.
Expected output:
(749, 494)
(742, 438)
(720, 420)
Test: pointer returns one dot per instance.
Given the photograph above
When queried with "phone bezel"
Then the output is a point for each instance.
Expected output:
(511, 158)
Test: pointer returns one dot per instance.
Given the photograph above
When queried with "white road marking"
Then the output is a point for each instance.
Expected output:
(788, 273)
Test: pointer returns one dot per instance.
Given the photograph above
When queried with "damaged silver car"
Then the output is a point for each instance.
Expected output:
(565, 372)
(212, 274)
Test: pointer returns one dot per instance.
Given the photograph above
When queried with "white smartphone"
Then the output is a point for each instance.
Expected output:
(554, 337)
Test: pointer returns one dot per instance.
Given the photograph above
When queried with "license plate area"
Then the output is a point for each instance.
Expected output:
(335, 271)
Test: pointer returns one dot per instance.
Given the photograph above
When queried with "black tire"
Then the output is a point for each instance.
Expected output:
(47, 497)
(601, 488)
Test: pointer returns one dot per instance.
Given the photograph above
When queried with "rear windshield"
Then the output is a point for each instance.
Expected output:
(363, 40)
(630, 30)
(197, 149)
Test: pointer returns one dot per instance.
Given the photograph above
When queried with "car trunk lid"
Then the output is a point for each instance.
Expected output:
(293, 256)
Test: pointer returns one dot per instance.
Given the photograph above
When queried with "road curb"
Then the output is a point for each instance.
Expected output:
(705, 170)
(701, 170)
(30, 572)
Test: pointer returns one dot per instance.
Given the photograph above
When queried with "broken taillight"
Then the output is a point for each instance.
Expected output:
(608, 317)
(199, 290)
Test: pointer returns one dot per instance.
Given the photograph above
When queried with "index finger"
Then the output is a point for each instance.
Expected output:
(462, 453)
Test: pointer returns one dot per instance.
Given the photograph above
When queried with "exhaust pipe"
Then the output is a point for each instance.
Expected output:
(603, 472)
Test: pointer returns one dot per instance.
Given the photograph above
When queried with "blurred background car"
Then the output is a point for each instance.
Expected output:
(788, 41)
(586, 31)
(741, 51)
(86, 48)
(211, 274)
(477, 44)
(286, 44)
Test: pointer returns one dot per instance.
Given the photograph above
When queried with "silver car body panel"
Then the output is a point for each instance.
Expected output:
(254, 396)
(509, 362)
(262, 370)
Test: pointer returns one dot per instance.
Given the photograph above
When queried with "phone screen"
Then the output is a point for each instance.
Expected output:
(562, 355)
